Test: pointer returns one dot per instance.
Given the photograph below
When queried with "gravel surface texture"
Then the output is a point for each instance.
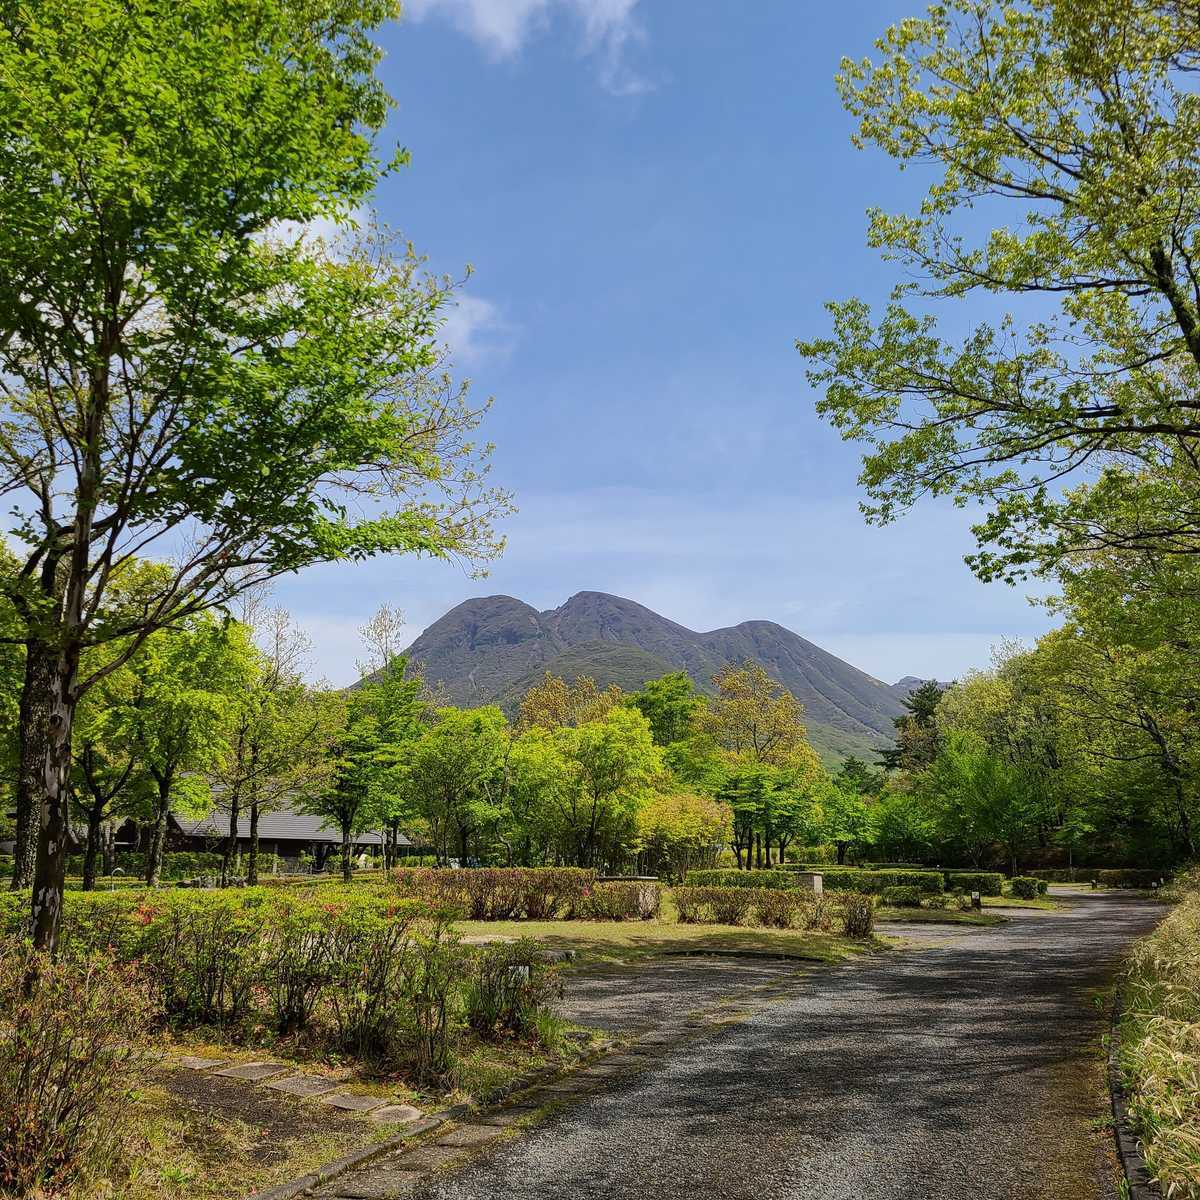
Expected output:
(968, 1068)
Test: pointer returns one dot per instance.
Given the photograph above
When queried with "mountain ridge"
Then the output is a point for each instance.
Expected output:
(490, 649)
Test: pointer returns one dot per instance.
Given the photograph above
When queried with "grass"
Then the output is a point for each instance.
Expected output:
(1159, 1045)
(632, 941)
(938, 916)
(1043, 902)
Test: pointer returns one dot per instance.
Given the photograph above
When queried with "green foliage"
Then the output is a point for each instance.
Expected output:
(986, 883)
(670, 705)
(901, 897)
(67, 1066)
(510, 989)
(838, 879)
(736, 879)
(1024, 887)
(636, 900)
(1158, 1043)
(501, 893)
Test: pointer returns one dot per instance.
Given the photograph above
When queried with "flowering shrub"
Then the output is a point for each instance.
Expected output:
(501, 893)
(66, 1070)
(509, 988)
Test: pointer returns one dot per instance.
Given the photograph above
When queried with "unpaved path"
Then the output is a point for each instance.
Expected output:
(966, 1069)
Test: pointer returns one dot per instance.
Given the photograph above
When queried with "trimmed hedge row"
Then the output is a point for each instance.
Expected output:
(836, 879)
(1120, 877)
(986, 883)
(779, 908)
(532, 893)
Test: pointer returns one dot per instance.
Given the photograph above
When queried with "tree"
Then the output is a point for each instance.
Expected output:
(1080, 120)
(679, 831)
(754, 716)
(179, 716)
(452, 775)
(274, 750)
(670, 704)
(916, 742)
(183, 379)
(845, 819)
(555, 703)
(856, 775)
(612, 761)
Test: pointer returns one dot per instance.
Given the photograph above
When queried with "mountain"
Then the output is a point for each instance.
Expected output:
(490, 650)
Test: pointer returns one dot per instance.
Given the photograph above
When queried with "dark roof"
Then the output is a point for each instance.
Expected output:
(282, 825)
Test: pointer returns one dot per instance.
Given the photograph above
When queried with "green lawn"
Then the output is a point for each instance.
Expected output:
(630, 941)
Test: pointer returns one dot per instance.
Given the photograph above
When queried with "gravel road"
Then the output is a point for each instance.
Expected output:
(965, 1069)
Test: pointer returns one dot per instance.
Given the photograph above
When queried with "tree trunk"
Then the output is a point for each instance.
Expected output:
(347, 873)
(108, 844)
(158, 833)
(92, 850)
(230, 847)
(841, 853)
(34, 735)
(50, 866)
(252, 857)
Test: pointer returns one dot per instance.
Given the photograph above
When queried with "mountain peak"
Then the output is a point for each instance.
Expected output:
(488, 648)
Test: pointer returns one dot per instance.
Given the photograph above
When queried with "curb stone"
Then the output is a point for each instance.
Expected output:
(1133, 1166)
(764, 955)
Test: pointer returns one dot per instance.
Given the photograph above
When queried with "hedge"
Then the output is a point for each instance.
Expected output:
(1024, 887)
(1119, 877)
(901, 897)
(780, 908)
(836, 879)
(986, 883)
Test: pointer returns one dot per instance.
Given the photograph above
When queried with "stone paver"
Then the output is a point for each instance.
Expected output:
(375, 1183)
(304, 1085)
(428, 1158)
(255, 1071)
(396, 1114)
(194, 1062)
(471, 1135)
(360, 1104)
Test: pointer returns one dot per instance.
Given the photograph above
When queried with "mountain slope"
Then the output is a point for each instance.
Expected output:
(490, 650)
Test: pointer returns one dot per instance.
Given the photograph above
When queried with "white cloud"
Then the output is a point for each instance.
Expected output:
(502, 27)
(475, 329)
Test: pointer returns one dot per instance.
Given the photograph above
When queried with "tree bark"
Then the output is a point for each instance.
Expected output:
(50, 866)
(158, 832)
(34, 745)
(347, 872)
(252, 856)
(109, 845)
(227, 851)
(92, 850)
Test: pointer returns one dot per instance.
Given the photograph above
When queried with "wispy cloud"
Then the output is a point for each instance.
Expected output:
(607, 30)
(475, 329)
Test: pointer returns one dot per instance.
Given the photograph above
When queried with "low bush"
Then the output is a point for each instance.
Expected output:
(858, 914)
(777, 908)
(617, 900)
(1023, 887)
(740, 879)
(510, 989)
(500, 893)
(901, 897)
(1122, 877)
(986, 883)
(714, 905)
(66, 1068)
(837, 879)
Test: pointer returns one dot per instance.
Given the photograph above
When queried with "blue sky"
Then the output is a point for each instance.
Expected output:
(657, 198)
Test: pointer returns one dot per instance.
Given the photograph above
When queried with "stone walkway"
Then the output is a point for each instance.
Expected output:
(281, 1077)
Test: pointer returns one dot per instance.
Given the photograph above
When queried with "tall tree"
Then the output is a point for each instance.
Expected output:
(181, 380)
(670, 704)
(555, 703)
(753, 716)
(1081, 121)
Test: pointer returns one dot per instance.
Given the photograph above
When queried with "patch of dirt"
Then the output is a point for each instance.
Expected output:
(273, 1120)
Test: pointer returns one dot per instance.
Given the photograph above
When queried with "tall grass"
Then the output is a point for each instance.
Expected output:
(1160, 1045)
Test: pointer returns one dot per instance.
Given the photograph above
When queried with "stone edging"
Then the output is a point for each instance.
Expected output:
(765, 955)
(1141, 1185)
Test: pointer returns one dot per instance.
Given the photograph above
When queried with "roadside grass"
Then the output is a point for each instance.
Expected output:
(938, 916)
(1159, 1045)
(1043, 902)
(632, 941)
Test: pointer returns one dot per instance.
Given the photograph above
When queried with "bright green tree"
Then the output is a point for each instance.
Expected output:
(1076, 125)
(671, 705)
(612, 762)
(186, 379)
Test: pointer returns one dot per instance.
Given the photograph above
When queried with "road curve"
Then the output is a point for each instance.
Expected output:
(967, 1068)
